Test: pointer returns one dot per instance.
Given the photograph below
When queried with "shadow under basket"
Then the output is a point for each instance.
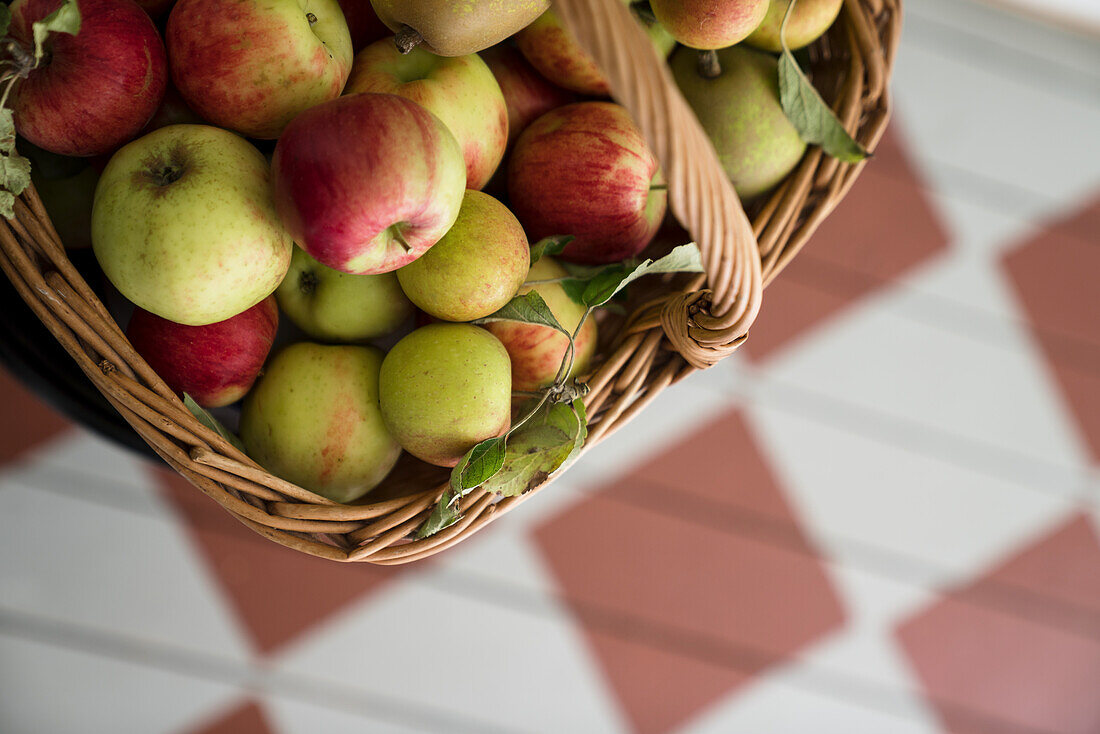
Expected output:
(675, 326)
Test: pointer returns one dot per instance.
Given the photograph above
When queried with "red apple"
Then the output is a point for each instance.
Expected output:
(215, 364)
(93, 91)
(585, 170)
(459, 90)
(367, 183)
(554, 51)
(363, 23)
(709, 24)
(527, 94)
(253, 65)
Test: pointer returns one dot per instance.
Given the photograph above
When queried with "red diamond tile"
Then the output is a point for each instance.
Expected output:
(884, 228)
(1018, 650)
(37, 423)
(248, 718)
(278, 594)
(690, 576)
(1055, 277)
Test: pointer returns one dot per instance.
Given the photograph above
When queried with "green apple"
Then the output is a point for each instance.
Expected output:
(461, 91)
(476, 268)
(809, 20)
(536, 352)
(313, 419)
(184, 225)
(444, 388)
(338, 307)
(742, 115)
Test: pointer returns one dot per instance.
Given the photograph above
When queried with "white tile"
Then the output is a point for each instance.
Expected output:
(988, 400)
(971, 126)
(483, 665)
(290, 716)
(111, 569)
(46, 689)
(881, 508)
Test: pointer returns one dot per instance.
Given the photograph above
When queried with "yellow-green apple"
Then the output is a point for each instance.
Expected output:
(363, 23)
(809, 20)
(451, 28)
(536, 352)
(552, 49)
(444, 388)
(367, 183)
(585, 170)
(253, 65)
(93, 91)
(528, 95)
(337, 307)
(476, 268)
(742, 115)
(459, 90)
(313, 419)
(709, 24)
(184, 224)
(215, 364)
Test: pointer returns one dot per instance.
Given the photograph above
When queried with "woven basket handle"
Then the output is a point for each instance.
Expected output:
(703, 325)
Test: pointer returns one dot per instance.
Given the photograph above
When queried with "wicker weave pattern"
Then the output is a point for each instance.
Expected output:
(683, 326)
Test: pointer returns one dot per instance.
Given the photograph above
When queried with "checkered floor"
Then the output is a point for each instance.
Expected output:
(881, 516)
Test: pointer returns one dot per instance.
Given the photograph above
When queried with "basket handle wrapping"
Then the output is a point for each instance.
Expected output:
(704, 326)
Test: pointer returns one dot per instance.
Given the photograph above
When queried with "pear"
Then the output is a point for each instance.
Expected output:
(450, 28)
(742, 115)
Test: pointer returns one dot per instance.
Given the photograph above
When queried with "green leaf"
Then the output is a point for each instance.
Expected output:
(211, 422)
(479, 464)
(443, 515)
(7, 131)
(15, 173)
(7, 204)
(528, 308)
(603, 287)
(66, 19)
(808, 112)
(548, 441)
(549, 247)
(5, 20)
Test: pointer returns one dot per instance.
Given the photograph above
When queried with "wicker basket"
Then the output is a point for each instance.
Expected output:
(682, 323)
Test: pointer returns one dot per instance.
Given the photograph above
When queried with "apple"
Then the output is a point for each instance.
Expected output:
(93, 91)
(215, 364)
(549, 46)
(363, 23)
(709, 24)
(475, 269)
(444, 388)
(337, 307)
(313, 419)
(451, 28)
(585, 170)
(809, 21)
(459, 90)
(536, 352)
(253, 65)
(527, 94)
(741, 113)
(184, 225)
(367, 183)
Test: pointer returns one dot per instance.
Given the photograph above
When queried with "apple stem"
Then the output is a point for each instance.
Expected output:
(407, 39)
(708, 65)
(307, 283)
(401, 239)
(311, 18)
(659, 187)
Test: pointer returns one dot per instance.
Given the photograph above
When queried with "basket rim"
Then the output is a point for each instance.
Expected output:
(663, 341)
